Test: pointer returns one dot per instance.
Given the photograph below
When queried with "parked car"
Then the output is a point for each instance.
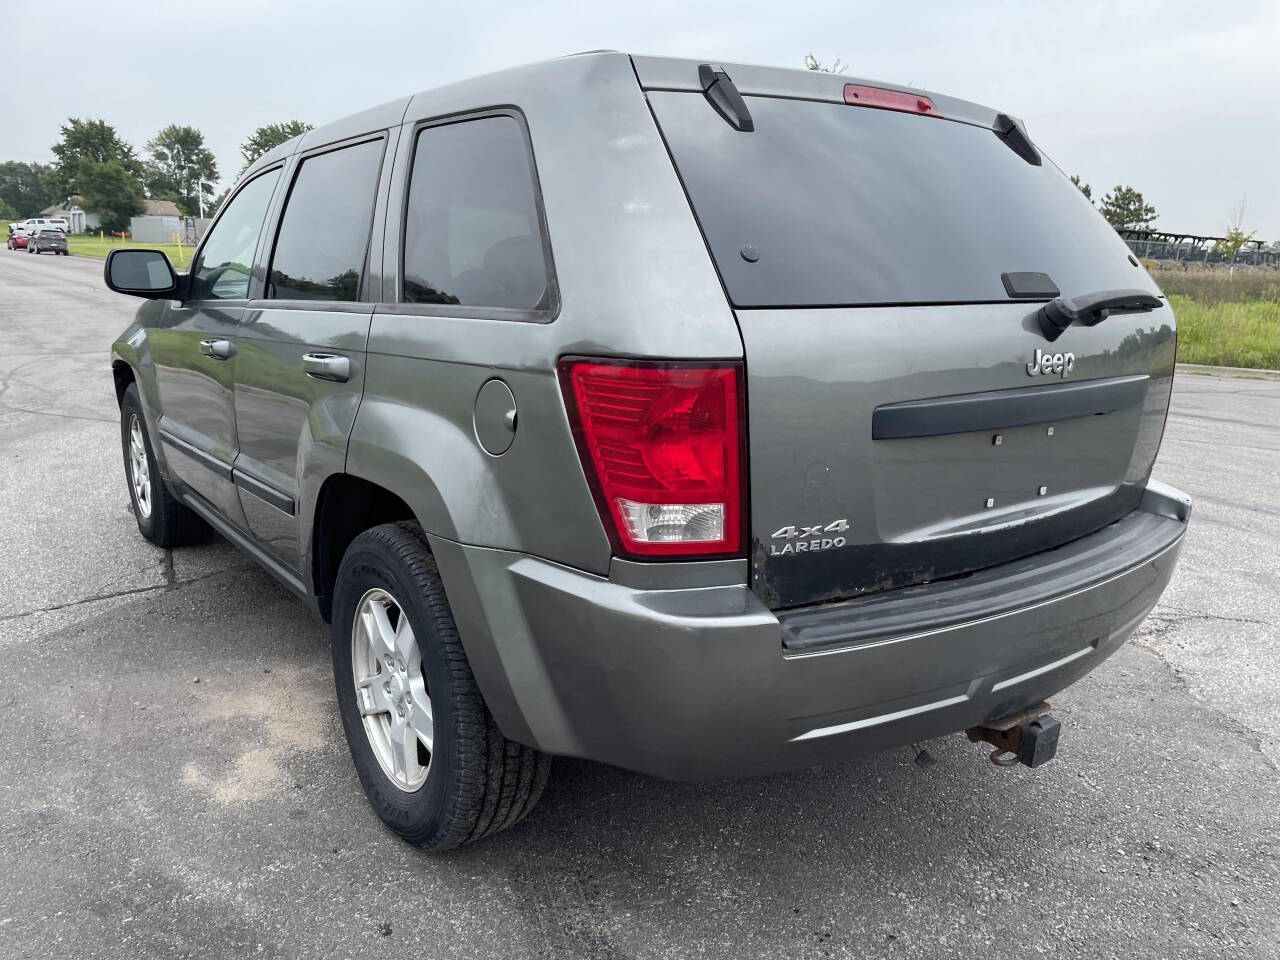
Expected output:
(704, 420)
(17, 239)
(35, 224)
(48, 240)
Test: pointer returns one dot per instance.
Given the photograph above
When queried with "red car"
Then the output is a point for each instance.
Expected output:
(17, 241)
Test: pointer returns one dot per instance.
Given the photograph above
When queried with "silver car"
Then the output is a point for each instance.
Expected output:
(703, 419)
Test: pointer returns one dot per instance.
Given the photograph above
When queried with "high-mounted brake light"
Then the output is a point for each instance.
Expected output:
(861, 96)
(662, 447)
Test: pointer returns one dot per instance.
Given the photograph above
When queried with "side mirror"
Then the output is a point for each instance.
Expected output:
(140, 273)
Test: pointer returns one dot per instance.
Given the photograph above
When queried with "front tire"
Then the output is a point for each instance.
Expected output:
(434, 765)
(162, 519)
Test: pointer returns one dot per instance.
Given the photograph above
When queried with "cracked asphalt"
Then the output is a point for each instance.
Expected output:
(174, 782)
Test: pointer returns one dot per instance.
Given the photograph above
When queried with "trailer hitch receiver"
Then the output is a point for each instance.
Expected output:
(1029, 737)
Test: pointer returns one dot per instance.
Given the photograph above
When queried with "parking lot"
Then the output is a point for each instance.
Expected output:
(174, 781)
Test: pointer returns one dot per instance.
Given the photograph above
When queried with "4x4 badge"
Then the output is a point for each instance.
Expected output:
(808, 539)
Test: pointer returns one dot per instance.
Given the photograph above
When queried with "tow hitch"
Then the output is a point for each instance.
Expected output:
(1029, 737)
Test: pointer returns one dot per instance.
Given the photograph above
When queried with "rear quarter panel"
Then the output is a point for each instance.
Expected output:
(634, 278)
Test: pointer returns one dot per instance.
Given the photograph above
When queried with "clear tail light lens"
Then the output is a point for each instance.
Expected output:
(662, 445)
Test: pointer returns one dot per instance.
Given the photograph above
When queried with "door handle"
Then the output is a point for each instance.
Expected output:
(327, 366)
(217, 349)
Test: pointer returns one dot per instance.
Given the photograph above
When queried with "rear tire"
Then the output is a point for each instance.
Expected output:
(162, 519)
(475, 782)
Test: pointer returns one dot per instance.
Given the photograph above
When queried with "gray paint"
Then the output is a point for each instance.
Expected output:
(676, 669)
(916, 507)
(495, 417)
(666, 73)
(693, 684)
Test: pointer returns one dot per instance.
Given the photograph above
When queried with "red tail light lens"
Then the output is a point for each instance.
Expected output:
(662, 447)
(861, 96)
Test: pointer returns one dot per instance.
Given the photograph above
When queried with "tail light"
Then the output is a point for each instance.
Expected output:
(662, 446)
(860, 96)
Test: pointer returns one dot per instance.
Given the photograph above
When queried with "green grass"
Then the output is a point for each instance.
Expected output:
(1216, 286)
(1226, 319)
(87, 246)
(1228, 334)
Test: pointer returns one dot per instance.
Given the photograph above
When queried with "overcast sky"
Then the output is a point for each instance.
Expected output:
(1179, 99)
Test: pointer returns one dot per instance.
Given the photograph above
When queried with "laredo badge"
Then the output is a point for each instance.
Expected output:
(808, 539)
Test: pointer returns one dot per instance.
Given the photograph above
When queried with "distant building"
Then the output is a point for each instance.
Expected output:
(78, 219)
(159, 223)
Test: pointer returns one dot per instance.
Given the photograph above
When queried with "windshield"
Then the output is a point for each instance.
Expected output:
(826, 204)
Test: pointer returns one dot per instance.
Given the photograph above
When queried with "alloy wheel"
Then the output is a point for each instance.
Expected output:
(139, 469)
(391, 691)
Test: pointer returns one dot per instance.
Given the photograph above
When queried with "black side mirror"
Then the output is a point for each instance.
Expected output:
(141, 273)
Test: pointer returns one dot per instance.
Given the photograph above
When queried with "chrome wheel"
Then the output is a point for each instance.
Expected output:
(390, 690)
(139, 469)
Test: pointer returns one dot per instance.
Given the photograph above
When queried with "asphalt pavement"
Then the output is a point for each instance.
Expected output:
(174, 780)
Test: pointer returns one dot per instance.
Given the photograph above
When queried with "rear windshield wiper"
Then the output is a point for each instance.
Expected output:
(1092, 308)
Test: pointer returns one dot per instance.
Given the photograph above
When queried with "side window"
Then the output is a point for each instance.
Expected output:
(222, 272)
(472, 235)
(324, 232)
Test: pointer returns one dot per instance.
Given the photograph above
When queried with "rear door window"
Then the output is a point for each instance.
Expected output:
(852, 206)
(324, 232)
(473, 235)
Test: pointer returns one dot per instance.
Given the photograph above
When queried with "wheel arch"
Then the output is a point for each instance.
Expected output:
(123, 374)
(346, 506)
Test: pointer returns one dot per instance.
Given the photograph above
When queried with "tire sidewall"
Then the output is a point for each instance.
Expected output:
(370, 563)
(129, 406)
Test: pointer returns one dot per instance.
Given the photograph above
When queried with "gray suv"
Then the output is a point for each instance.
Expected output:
(707, 420)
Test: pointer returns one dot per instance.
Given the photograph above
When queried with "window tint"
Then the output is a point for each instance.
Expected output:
(472, 235)
(324, 233)
(849, 206)
(222, 272)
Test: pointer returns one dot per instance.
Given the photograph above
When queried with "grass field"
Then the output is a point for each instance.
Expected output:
(93, 247)
(1226, 321)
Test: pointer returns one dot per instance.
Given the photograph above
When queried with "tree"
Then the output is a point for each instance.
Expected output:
(214, 205)
(111, 191)
(269, 136)
(7, 212)
(1125, 209)
(812, 63)
(181, 168)
(1084, 187)
(96, 140)
(25, 187)
(1229, 246)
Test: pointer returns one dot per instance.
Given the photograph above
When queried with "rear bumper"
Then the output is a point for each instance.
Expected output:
(705, 682)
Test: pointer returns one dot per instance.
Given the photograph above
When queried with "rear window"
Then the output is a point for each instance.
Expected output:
(852, 206)
(324, 231)
(472, 233)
